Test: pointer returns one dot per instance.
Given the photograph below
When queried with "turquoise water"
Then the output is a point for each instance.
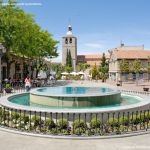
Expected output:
(25, 100)
(72, 90)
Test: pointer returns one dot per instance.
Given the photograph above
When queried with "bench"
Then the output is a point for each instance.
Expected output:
(145, 89)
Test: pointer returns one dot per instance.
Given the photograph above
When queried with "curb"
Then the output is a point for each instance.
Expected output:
(136, 133)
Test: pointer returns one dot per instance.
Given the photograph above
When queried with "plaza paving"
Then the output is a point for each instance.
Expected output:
(126, 85)
(11, 141)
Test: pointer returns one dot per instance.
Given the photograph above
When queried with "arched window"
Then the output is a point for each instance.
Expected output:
(66, 41)
(70, 40)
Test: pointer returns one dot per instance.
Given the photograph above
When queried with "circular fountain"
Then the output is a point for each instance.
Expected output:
(51, 107)
(75, 97)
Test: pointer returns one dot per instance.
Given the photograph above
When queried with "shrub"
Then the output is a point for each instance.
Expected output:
(8, 86)
(95, 123)
(63, 123)
(79, 124)
(54, 131)
(113, 122)
(135, 119)
(36, 120)
(50, 123)
(1, 112)
(80, 131)
(89, 132)
(145, 116)
(25, 119)
(15, 115)
(124, 121)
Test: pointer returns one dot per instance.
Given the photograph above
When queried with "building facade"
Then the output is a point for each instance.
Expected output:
(129, 53)
(91, 59)
(69, 43)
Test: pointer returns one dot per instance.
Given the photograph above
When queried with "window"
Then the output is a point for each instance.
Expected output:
(70, 40)
(66, 41)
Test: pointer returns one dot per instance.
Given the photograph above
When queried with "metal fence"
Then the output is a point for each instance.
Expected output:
(76, 124)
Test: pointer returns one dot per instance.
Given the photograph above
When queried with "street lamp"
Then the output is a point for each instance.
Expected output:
(2, 51)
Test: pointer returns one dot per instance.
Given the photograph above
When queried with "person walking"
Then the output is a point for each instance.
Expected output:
(27, 83)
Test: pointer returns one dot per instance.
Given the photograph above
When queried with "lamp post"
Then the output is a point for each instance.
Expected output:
(2, 51)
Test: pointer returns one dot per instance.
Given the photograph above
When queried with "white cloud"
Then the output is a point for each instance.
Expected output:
(94, 45)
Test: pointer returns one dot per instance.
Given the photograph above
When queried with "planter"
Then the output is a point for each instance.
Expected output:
(8, 90)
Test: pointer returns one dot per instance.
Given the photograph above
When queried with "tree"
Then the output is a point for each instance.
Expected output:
(95, 72)
(22, 37)
(136, 68)
(124, 67)
(69, 59)
(104, 68)
(82, 66)
(148, 68)
(68, 69)
(68, 66)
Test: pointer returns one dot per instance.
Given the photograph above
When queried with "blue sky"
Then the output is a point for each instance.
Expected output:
(98, 24)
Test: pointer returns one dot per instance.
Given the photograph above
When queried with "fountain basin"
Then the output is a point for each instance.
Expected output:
(75, 97)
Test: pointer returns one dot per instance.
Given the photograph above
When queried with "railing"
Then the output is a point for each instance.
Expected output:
(76, 124)
(84, 124)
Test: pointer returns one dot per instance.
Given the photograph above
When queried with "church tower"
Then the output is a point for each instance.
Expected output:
(69, 43)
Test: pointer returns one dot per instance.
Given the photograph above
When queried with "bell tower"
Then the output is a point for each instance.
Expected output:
(69, 43)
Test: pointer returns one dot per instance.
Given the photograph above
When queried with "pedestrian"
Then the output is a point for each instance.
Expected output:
(27, 83)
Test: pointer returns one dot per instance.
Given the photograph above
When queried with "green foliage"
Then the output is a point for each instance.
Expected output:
(124, 121)
(80, 131)
(63, 123)
(95, 123)
(1, 112)
(8, 86)
(148, 67)
(79, 124)
(82, 66)
(113, 122)
(21, 36)
(68, 69)
(124, 66)
(94, 72)
(135, 119)
(36, 120)
(136, 66)
(25, 119)
(68, 59)
(50, 123)
(104, 68)
(15, 115)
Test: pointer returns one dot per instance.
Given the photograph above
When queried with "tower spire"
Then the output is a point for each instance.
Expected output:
(69, 30)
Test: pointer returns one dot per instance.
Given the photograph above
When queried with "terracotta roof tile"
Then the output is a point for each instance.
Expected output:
(88, 56)
(92, 63)
(132, 54)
